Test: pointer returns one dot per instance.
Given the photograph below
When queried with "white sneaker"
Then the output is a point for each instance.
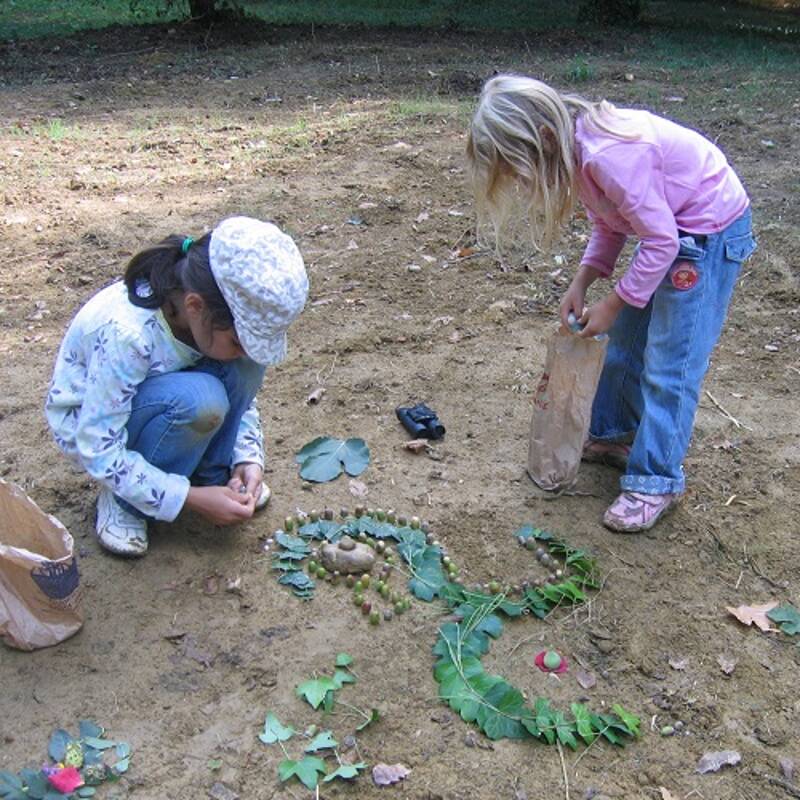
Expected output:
(118, 530)
(264, 497)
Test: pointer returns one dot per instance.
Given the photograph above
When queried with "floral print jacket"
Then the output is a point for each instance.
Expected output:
(109, 349)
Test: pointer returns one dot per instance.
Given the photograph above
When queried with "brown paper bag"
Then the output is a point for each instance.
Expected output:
(40, 595)
(562, 408)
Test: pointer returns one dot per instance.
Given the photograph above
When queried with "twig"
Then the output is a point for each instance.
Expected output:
(563, 770)
(725, 413)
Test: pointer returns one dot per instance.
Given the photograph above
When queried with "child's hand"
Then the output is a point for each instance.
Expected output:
(220, 504)
(246, 478)
(572, 303)
(599, 318)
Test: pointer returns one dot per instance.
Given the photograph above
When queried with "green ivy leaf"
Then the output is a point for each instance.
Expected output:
(322, 459)
(122, 766)
(313, 691)
(789, 618)
(565, 730)
(544, 719)
(345, 772)
(98, 744)
(341, 677)
(322, 741)
(88, 728)
(274, 731)
(344, 660)
(57, 749)
(306, 770)
(36, 783)
(87, 791)
(426, 568)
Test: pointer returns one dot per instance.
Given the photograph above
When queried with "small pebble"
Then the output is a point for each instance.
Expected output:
(667, 730)
(678, 725)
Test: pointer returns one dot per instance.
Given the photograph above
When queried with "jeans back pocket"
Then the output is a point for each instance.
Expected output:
(740, 248)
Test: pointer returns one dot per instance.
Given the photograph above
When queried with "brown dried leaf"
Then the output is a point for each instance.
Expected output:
(713, 762)
(315, 396)
(386, 775)
(358, 489)
(754, 615)
(678, 663)
(585, 679)
(417, 445)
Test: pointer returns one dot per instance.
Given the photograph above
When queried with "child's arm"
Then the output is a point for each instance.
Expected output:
(630, 175)
(120, 361)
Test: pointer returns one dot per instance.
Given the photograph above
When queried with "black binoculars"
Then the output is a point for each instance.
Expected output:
(420, 421)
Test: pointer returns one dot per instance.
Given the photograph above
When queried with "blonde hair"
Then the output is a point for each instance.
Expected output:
(521, 150)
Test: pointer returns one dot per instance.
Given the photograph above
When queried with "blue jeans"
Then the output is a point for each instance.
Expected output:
(187, 422)
(658, 356)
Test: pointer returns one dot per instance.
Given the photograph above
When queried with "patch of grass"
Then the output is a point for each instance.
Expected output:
(422, 107)
(580, 70)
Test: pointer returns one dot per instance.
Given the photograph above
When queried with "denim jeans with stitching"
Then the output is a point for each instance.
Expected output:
(658, 356)
(187, 422)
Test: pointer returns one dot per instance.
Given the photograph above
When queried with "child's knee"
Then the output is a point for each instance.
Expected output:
(209, 405)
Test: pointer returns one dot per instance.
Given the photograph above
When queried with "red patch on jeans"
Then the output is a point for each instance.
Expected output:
(684, 276)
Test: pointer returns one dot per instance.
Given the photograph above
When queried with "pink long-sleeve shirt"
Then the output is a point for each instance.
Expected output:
(669, 179)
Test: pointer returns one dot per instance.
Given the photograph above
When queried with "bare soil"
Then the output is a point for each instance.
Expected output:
(353, 142)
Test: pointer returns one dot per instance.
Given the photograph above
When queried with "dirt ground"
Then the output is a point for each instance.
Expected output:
(353, 142)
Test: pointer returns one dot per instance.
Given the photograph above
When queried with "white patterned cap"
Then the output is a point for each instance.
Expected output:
(261, 275)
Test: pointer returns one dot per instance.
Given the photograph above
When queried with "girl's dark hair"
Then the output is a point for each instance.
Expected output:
(155, 273)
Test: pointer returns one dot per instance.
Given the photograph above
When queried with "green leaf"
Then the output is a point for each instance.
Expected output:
(341, 677)
(344, 660)
(293, 543)
(88, 728)
(57, 749)
(789, 618)
(631, 721)
(122, 766)
(374, 716)
(544, 719)
(322, 459)
(8, 781)
(583, 722)
(345, 772)
(565, 730)
(426, 570)
(87, 791)
(36, 783)
(214, 764)
(322, 741)
(500, 717)
(313, 691)
(122, 750)
(98, 744)
(274, 731)
(307, 770)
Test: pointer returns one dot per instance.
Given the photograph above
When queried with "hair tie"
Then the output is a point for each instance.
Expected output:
(187, 243)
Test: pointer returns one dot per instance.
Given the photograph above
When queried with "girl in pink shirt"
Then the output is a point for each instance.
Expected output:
(640, 175)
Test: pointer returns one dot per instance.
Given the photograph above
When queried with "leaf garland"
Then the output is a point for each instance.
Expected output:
(489, 701)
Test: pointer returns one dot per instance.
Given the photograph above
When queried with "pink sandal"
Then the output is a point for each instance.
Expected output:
(632, 512)
(613, 454)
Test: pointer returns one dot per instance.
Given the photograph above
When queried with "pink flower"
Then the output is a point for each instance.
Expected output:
(551, 656)
(66, 779)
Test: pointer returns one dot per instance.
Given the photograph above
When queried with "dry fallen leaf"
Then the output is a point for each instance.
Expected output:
(211, 584)
(726, 664)
(234, 585)
(666, 794)
(585, 679)
(386, 775)
(754, 615)
(358, 489)
(713, 762)
(678, 663)
(417, 445)
(422, 216)
(315, 396)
